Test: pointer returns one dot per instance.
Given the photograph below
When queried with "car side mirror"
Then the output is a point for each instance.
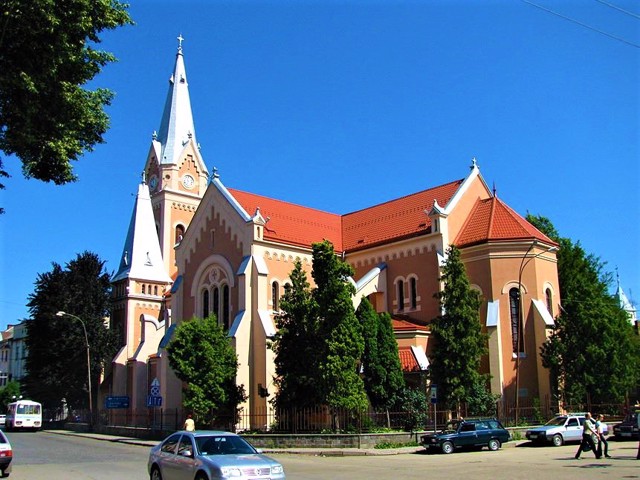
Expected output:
(259, 450)
(186, 453)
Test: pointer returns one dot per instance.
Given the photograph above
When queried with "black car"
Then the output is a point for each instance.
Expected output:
(483, 432)
(628, 428)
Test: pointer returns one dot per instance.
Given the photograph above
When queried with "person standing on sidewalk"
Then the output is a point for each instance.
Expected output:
(189, 424)
(588, 429)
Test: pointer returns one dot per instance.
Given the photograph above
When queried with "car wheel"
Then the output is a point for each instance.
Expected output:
(4, 473)
(557, 440)
(155, 473)
(201, 476)
(494, 444)
(447, 447)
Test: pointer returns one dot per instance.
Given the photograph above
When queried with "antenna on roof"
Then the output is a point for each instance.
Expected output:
(494, 189)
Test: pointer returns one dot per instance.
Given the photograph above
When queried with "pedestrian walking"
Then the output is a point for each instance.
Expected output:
(601, 430)
(638, 421)
(189, 424)
(588, 430)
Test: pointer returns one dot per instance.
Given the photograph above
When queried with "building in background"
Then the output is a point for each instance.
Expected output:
(13, 353)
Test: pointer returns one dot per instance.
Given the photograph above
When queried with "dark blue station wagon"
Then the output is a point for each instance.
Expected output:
(485, 432)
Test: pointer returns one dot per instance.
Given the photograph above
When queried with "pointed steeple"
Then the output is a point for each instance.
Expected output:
(141, 258)
(625, 303)
(176, 127)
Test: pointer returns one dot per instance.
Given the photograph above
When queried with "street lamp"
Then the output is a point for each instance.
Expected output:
(520, 326)
(86, 339)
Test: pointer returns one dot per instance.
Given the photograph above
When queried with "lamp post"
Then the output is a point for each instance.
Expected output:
(520, 326)
(86, 339)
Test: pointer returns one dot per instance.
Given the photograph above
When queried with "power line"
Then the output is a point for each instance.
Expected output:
(582, 24)
(619, 8)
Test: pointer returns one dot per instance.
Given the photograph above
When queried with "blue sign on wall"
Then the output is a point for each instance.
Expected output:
(116, 402)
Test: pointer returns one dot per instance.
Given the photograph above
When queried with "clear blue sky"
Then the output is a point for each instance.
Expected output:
(340, 105)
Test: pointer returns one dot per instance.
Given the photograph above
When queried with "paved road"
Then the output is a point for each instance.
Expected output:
(51, 456)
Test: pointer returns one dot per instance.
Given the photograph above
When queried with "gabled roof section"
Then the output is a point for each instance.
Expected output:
(401, 325)
(491, 219)
(141, 257)
(176, 127)
(404, 217)
(292, 224)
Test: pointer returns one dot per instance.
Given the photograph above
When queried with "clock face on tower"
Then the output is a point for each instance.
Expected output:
(188, 181)
(153, 182)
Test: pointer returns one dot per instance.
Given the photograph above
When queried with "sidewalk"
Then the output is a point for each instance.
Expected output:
(327, 452)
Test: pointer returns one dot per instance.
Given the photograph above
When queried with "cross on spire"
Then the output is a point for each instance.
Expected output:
(180, 40)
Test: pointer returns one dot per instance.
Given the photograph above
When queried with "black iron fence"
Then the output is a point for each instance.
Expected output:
(324, 420)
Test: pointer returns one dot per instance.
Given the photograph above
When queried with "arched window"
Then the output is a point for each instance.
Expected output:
(205, 303)
(179, 233)
(413, 285)
(144, 290)
(216, 302)
(549, 297)
(155, 290)
(514, 313)
(275, 295)
(400, 292)
(225, 307)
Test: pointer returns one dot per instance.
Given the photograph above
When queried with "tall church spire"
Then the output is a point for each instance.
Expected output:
(141, 257)
(176, 127)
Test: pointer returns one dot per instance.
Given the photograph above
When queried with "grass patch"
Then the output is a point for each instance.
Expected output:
(387, 445)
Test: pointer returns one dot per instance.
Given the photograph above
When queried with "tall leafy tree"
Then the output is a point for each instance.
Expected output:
(9, 393)
(459, 341)
(296, 345)
(56, 362)
(202, 356)
(383, 378)
(593, 352)
(47, 55)
(341, 344)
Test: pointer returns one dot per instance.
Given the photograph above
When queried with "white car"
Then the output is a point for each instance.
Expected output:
(560, 430)
(6, 455)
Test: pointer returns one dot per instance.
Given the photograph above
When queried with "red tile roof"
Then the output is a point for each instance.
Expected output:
(492, 219)
(290, 223)
(408, 360)
(405, 217)
(393, 220)
(404, 325)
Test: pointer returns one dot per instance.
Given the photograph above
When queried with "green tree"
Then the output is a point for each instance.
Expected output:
(296, 345)
(593, 352)
(9, 393)
(459, 341)
(47, 55)
(383, 378)
(415, 404)
(340, 335)
(56, 362)
(202, 356)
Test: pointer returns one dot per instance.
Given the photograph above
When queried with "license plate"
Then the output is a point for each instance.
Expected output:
(626, 434)
(533, 435)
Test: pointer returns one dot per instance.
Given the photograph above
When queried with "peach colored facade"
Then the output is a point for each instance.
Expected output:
(230, 252)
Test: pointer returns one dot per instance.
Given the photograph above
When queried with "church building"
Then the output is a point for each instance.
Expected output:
(197, 246)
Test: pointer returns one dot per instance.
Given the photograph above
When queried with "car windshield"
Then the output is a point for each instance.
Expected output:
(557, 421)
(223, 445)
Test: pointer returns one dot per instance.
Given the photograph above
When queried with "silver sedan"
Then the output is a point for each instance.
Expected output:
(209, 455)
